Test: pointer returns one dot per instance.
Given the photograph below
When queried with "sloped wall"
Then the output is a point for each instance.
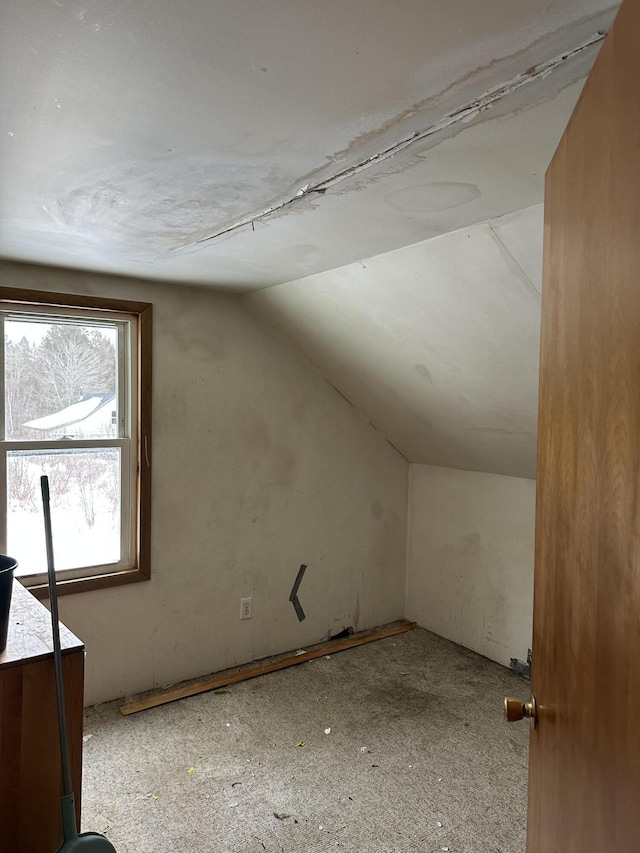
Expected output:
(437, 342)
(470, 558)
(259, 465)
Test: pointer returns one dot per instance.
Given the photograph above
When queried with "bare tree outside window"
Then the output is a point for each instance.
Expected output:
(47, 375)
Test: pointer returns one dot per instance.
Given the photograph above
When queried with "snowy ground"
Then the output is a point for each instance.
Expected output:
(85, 517)
(74, 543)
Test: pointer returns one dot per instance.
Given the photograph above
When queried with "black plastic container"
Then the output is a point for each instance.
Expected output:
(7, 568)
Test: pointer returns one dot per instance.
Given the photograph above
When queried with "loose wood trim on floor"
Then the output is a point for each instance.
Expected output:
(224, 679)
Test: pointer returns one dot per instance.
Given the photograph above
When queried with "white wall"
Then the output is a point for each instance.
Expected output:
(259, 465)
(470, 558)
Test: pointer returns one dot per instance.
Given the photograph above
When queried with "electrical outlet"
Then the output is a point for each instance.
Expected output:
(245, 608)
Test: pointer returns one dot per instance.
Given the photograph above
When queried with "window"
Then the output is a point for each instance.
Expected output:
(75, 405)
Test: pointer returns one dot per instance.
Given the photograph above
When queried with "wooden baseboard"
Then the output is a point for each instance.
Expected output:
(225, 678)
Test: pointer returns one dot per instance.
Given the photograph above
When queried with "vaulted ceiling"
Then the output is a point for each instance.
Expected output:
(378, 166)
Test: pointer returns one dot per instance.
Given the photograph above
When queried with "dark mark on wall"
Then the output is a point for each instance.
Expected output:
(293, 596)
(346, 632)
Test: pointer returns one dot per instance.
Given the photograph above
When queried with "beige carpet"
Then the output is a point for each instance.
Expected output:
(418, 758)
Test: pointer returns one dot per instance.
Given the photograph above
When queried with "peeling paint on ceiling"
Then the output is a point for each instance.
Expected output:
(434, 133)
(155, 139)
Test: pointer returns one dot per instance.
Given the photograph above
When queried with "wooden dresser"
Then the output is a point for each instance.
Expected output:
(30, 772)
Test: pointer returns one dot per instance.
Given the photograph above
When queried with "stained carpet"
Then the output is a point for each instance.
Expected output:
(395, 746)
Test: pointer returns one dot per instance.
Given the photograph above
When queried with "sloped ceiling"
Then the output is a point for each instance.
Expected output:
(378, 165)
(436, 342)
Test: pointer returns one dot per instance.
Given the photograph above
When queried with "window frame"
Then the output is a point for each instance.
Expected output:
(140, 410)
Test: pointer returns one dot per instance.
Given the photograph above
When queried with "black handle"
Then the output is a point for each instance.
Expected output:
(57, 650)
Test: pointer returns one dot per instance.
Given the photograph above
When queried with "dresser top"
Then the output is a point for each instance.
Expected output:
(30, 637)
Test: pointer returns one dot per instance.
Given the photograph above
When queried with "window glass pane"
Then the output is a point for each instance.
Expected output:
(85, 508)
(60, 379)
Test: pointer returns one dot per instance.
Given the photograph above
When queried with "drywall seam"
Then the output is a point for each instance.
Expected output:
(459, 116)
(504, 250)
(267, 313)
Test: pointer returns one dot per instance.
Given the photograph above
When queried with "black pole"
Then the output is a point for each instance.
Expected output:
(57, 650)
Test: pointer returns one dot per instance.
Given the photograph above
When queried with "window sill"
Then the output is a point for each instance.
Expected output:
(77, 585)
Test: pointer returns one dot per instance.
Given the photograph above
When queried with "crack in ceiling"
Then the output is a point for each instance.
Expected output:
(462, 115)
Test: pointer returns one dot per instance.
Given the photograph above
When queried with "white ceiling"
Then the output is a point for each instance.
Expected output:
(314, 134)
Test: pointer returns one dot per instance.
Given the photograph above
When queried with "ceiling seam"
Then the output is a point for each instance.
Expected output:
(463, 115)
(503, 248)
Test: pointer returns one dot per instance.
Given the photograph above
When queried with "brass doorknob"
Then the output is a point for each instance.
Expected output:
(515, 710)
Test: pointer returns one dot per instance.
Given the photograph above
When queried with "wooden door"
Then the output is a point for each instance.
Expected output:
(584, 786)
